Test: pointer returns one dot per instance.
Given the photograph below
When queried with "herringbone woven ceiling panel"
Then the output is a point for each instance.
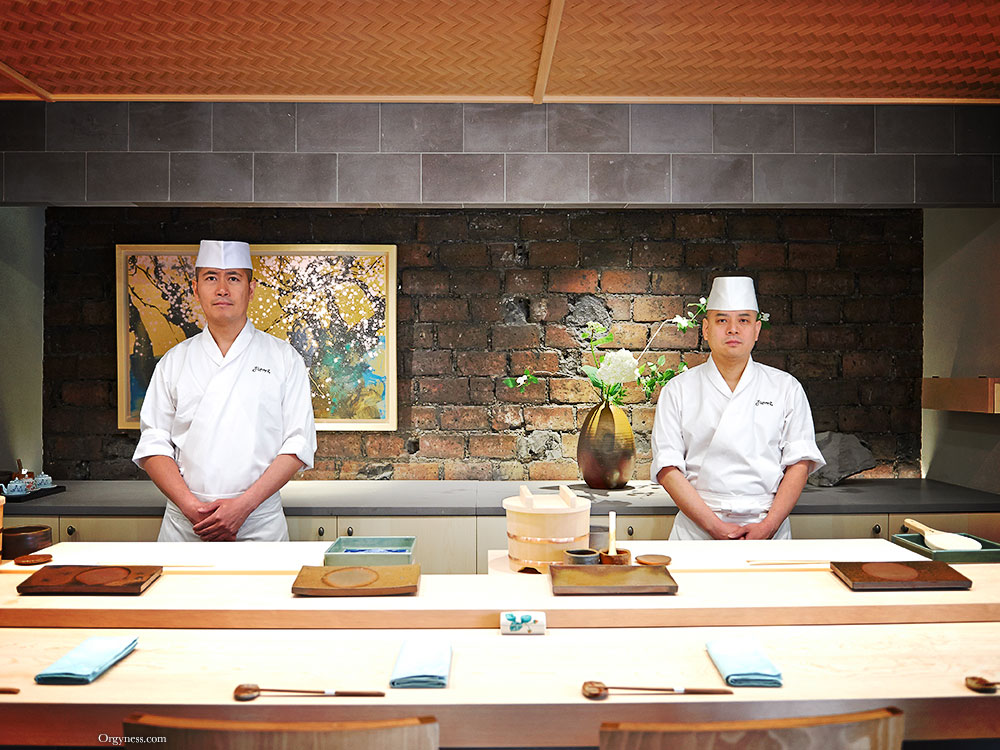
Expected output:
(363, 48)
(779, 48)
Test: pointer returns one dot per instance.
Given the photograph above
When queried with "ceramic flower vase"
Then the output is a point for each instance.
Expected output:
(606, 448)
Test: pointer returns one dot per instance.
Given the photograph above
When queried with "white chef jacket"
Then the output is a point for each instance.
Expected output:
(733, 446)
(225, 419)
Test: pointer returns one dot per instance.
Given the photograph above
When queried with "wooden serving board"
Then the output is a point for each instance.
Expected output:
(912, 574)
(90, 579)
(612, 579)
(357, 580)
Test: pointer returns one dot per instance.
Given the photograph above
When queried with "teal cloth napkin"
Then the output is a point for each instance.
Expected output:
(422, 664)
(743, 663)
(88, 661)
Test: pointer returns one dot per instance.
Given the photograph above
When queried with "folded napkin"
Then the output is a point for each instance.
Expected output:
(422, 664)
(743, 663)
(88, 661)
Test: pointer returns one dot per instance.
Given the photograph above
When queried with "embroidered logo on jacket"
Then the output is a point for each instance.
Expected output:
(764, 403)
(264, 369)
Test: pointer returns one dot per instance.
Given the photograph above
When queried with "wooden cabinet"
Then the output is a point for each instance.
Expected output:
(962, 394)
(51, 521)
(839, 526)
(445, 544)
(491, 533)
(109, 528)
(312, 528)
(642, 527)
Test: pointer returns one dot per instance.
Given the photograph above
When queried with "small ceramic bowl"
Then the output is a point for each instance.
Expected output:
(623, 557)
(581, 557)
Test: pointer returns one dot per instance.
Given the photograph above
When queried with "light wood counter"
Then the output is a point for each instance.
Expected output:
(229, 595)
(509, 691)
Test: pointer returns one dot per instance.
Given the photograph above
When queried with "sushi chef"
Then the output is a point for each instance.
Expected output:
(733, 440)
(227, 419)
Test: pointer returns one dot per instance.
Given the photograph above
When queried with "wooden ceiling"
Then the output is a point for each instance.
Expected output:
(501, 50)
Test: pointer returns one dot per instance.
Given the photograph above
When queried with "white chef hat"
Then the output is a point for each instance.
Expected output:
(732, 293)
(223, 254)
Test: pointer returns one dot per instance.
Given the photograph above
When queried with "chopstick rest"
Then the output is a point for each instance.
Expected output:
(88, 661)
(522, 623)
(743, 663)
(422, 664)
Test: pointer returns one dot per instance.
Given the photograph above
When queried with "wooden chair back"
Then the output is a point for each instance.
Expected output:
(415, 733)
(880, 729)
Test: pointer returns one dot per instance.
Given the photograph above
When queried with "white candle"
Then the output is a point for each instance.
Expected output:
(611, 534)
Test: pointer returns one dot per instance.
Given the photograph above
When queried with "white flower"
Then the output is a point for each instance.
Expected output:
(522, 380)
(617, 367)
(702, 301)
(681, 322)
(765, 316)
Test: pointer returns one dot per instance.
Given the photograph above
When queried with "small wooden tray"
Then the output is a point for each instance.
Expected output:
(885, 576)
(915, 542)
(357, 580)
(90, 579)
(611, 579)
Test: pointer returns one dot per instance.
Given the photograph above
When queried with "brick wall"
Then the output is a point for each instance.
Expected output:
(484, 293)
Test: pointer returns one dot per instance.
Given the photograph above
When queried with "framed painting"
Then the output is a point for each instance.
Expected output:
(335, 304)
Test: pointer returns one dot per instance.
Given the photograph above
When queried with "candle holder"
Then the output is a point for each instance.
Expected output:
(621, 557)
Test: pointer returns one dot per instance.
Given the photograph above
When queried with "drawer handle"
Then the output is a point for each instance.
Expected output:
(321, 531)
(350, 531)
(70, 530)
(631, 531)
(876, 529)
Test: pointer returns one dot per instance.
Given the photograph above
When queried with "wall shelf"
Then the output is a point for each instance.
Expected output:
(980, 395)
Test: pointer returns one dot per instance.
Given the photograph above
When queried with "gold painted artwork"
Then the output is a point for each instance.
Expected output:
(335, 304)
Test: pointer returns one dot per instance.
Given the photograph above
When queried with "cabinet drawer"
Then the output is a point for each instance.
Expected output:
(837, 526)
(109, 529)
(312, 528)
(51, 521)
(642, 527)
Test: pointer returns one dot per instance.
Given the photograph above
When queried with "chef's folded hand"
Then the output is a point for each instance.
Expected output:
(221, 519)
(724, 530)
(754, 531)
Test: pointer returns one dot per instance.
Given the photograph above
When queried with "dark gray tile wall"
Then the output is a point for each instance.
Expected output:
(499, 154)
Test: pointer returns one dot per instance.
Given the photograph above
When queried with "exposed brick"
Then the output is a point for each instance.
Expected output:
(547, 307)
(572, 391)
(624, 282)
(538, 361)
(86, 393)
(698, 226)
(886, 392)
(888, 283)
(423, 335)
(830, 282)
(858, 227)
(549, 418)
(816, 310)
(840, 337)
(642, 418)
(627, 336)
(866, 256)
(510, 471)
(905, 420)
(494, 224)
(810, 257)
(654, 309)
(475, 282)
(668, 337)
(486, 309)
(464, 255)
(569, 442)
(771, 359)
(783, 337)
(524, 281)
(516, 336)
(437, 445)
(808, 365)
(863, 418)
(415, 255)
(534, 393)
(506, 417)
(404, 308)
(559, 337)
(605, 254)
(549, 254)
(442, 227)
(384, 445)
(781, 282)
(464, 418)
(506, 254)
(424, 470)
(619, 307)
(648, 224)
(678, 282)
(443, 310)
(657, 254)
(867, 309)
(338, 444)
(836, 392)
(593, 225)
(463, 336)
(761, 255)
(753, 227)
(867, 364)
(900, 337)
(424, 417)
(492, 446)
(479, 470)
(545, 226)
(907, 256)
(432, 362)
(710, 255)
(482, 390)
(553, 470)
(482, 363)
(807, 227)
(443, 390)
(825, 418)
(82, 447)
(573, 281)
(908, 310)
(350, 469)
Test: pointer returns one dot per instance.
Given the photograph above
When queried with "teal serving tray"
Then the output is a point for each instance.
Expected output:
(370, 550)
(989, 553)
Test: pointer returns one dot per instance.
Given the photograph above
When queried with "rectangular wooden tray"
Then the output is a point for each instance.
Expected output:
(908, 575)
(357, 580)
(915, 542)
(611, 579)
(90, 579)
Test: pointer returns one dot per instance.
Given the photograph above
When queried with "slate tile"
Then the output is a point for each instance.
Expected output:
(378, 178)
(337, 127)
(671, 128)
(86, 126)
(948, 179)
(547, 178)
(793, 178)
(588, 128)
(417, 128)
(36, 177)
(630, 178)
(218, 178)
(128, 177)
(834, 129)
(462, 178)
(914, 129)
(295, 178)
(752, 128)
(977, 130)
(170, 126)
(878, 179)
(504, 127)
(22, 126)
(712, 178)
(253, 126)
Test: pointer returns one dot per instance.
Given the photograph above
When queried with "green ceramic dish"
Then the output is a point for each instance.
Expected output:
(989, 553)
(370, 550)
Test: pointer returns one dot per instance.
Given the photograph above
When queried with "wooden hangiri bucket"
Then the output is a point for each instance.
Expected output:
(541, 527)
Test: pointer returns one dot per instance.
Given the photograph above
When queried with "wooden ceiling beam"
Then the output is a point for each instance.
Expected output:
(33, 87)
(552, 23)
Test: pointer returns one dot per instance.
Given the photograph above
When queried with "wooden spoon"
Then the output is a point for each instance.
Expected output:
(943, 540)
(981, 685)
(249, 691)
(598, 691)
